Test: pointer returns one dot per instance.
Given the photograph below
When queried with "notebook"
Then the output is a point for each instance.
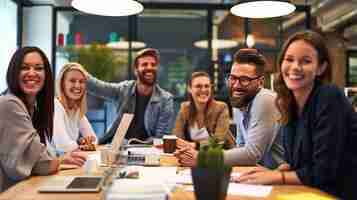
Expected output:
(72, 184)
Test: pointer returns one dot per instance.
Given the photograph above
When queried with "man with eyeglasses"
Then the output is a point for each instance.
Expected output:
(254, 114)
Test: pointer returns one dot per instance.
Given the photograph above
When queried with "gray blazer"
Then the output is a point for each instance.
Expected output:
(261, 140)
(21, 152)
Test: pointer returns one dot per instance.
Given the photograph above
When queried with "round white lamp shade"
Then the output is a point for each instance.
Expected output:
(263, 8)
(124, 45)
(216, 44)
(108, 7)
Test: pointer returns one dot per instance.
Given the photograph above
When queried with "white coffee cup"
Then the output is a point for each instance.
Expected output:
(91, 166)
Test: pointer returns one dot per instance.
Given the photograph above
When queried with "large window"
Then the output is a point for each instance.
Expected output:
(8, 35)
(174, 30)
(92, 41)
(352, 68)
(174, 33)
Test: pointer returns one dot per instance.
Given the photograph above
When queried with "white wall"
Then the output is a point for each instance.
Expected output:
(8, 35)
(37, 28)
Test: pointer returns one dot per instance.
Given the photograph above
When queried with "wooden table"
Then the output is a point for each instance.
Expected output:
(27, 190)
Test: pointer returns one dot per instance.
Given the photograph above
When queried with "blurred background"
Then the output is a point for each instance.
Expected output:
(188, 34)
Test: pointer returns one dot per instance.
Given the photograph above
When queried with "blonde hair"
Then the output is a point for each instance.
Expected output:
(59, 86)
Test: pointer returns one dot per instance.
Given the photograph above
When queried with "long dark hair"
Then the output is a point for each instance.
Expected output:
(192, 108)
(285, 100)
(43, 115)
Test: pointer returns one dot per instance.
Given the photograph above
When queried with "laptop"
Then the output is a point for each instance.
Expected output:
(72, 184)
(121, 130)
(86, 183)
(108, 153)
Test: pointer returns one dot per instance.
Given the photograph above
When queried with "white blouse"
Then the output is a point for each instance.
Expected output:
(198, 134)
(67, 129)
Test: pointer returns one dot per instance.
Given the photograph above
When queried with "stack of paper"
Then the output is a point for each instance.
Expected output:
(184, 177)
(130, 189)
(144, 151)
(153, 183)
(154, 174)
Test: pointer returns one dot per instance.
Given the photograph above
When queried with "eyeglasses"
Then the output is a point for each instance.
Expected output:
(202, 86)
(243, 80)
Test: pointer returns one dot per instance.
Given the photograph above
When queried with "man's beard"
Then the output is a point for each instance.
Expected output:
(242, 101)
(143, 80)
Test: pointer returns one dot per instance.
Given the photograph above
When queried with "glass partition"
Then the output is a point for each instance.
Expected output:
(173, 33)
(93, 41)
(8, 16)
(351, 68)
(186, 34)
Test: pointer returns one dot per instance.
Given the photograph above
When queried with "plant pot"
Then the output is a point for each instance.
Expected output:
(210, 184)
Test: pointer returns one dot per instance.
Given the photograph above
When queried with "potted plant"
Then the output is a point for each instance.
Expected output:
(100, 61)
(210, 176)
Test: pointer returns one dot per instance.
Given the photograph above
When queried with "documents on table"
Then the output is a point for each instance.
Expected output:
(153, 183)
(144, 150)
(184, 177)
(155, 174)
(136, 189)
(245, 190)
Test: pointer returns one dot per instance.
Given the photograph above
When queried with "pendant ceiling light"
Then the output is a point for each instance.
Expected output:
(263, 8)
(216, 44)
(124, 45)
(108, 7)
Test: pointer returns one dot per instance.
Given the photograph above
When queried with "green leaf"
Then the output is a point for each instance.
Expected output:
(99, 60)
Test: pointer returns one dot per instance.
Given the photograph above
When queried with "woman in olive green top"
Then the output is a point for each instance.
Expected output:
(201, 116)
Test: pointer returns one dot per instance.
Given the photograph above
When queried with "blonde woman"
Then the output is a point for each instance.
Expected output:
(70, 122)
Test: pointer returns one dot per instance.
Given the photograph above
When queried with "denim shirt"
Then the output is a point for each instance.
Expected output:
(159, 117)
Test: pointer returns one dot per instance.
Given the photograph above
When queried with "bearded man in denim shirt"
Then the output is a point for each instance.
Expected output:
(151, 105)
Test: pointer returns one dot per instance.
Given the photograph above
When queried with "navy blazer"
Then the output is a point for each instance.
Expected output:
(321, 145)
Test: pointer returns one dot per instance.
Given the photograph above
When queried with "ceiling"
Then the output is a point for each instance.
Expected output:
(330, 15)
(67, 3)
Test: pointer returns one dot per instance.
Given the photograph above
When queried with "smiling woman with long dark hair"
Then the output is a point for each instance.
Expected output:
(319, 124)
(26, 120)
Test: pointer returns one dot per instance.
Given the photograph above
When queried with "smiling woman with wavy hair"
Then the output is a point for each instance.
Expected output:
(319, 124)
(285, 100)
